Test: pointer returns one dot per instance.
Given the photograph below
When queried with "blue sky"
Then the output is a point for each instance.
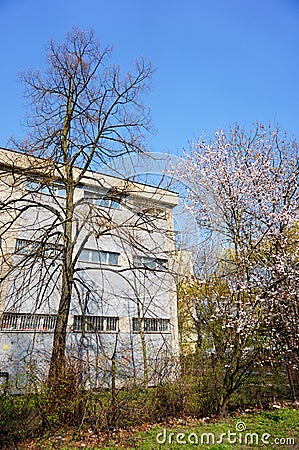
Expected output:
(217, 61)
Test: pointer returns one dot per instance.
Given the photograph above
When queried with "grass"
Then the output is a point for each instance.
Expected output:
(262, 428)
(273, 429)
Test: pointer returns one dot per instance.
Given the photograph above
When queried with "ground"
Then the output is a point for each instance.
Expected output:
(275, 428)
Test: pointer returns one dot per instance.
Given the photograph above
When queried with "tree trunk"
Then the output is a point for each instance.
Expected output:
(291, 381)
(143, 347)
(57, 363)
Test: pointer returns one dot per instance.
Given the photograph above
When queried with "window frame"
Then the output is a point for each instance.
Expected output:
(37, 248)
(99, 257)
(53, 189)
(144, 262)
(156, 325)
(108, 324)
(28, 322)
(101, 200)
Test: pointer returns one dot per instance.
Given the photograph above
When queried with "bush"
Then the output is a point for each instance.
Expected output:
(19, 419)
(197, 391)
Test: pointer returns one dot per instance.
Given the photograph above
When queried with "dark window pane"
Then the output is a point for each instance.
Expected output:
(103, 257)
(95, 256)
(84, 255)
(115, 204)
(113, 258)
(111, 323)
(135, 324)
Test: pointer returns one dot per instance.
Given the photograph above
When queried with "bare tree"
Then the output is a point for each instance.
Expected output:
(83, 112)
(131, 222)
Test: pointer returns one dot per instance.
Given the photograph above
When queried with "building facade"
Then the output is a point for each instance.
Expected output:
(124, 304)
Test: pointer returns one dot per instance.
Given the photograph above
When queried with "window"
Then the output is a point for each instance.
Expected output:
(163, 324)
(84, 255)
(93, 324)
(9, 322)
(27, 247)
(157, 213)
(54, 189)
(143, 262)
(52, 250)
(135, 324)
(101, 200)
(28, 322)
(111, 323)
(109, 258)
(99, 256)
(149, 211)
(151, 325)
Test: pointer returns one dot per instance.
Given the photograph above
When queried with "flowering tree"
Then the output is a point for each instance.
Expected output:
(245, 192)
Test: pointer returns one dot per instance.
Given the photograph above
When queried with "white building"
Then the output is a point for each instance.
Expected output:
(124, 304)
